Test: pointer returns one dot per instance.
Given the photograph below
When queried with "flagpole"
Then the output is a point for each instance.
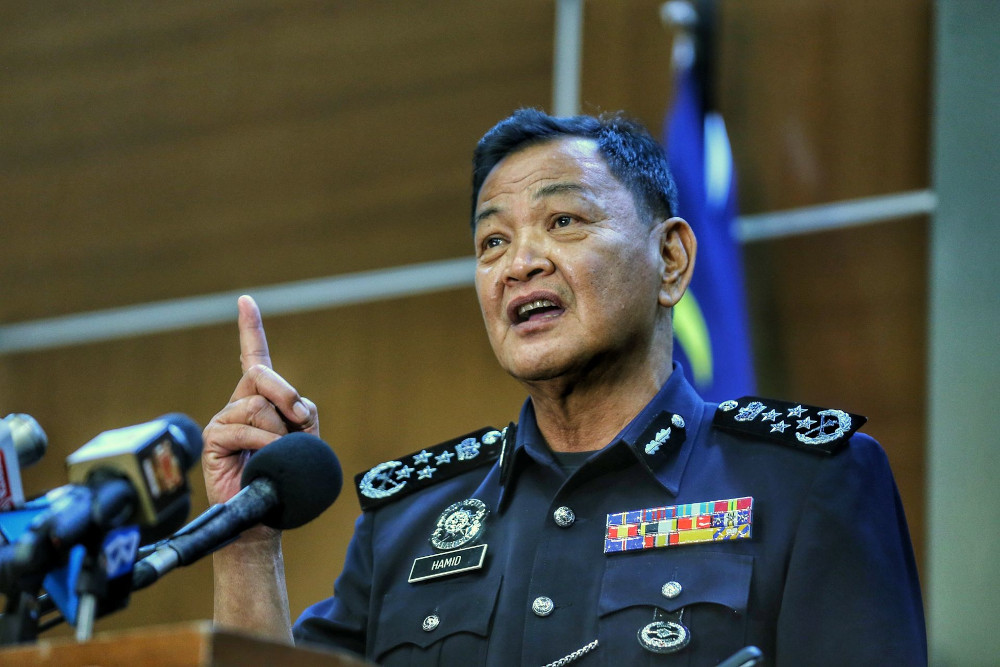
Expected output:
(567, 58)
(680, 16)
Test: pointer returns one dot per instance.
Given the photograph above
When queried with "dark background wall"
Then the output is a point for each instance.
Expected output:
(159, 150)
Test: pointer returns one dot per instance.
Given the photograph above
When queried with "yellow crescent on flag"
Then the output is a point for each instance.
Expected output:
(691, 332)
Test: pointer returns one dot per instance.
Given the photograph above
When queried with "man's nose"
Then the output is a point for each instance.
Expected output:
(529, 258)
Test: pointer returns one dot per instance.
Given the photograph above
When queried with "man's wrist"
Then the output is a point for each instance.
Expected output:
(260, 544)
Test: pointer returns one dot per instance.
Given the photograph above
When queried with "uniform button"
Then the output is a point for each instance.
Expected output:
(542, 606)
(564, 517)
(431, 622)
(671, 589)
(677, 421)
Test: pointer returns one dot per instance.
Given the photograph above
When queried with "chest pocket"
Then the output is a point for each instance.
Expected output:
(710, 589)
(443, 622)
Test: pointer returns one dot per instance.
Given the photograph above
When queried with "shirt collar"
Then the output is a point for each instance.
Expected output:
(660, 437)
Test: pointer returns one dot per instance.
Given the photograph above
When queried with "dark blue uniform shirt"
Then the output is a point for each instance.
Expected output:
(827, 576)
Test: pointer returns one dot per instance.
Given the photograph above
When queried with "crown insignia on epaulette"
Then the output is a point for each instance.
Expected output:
(806, 427)
(392, 480)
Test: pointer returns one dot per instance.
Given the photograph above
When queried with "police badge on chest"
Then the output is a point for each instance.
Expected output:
(460, 524)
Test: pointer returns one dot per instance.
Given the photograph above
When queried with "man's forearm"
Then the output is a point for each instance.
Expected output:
(250, 593)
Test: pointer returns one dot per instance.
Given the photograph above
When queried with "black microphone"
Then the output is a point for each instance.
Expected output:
(22, 444)
(286, 484)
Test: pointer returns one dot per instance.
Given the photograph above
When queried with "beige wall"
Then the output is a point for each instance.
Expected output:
(151, 151)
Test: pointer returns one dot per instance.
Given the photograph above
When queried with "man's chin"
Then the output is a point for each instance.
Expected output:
(539, 370)
(537, 376)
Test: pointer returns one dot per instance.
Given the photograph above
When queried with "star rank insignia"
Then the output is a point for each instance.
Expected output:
(808, 427)
(392, 480)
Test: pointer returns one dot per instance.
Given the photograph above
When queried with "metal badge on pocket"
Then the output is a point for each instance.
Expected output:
(459, 524)
(666, 634)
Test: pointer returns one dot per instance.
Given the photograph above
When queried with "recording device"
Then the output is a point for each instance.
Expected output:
(129, 475)
(22, 444)
(127, 485)
(151, 459)
(284, 485)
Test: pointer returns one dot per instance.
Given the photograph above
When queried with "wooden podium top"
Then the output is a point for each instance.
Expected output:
(183, 645)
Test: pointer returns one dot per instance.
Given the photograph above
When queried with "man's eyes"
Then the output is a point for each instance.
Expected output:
(563, 220)
(560, 221)
(491, 242)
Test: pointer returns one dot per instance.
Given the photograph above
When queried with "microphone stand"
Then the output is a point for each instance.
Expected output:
(91, 583)
(19, 622)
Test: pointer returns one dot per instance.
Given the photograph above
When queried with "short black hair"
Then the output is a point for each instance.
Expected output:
(633, 156)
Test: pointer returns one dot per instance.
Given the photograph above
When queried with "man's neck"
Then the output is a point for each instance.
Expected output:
(580, 416)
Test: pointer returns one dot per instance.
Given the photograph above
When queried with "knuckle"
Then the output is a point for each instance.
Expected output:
(257, 370)
(257, 409)
(242, 436)
(211, 431)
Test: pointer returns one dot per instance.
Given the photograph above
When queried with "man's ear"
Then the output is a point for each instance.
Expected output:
(677, 250)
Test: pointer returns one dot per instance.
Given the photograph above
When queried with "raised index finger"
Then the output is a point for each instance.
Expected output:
(253, 342)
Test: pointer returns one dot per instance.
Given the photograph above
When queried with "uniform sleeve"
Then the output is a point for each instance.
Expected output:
(851, 592)
(342, 620)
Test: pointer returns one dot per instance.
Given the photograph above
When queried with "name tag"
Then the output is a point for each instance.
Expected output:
(448, 563)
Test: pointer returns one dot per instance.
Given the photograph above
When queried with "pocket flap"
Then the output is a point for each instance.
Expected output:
(448, 607)
(639, 579)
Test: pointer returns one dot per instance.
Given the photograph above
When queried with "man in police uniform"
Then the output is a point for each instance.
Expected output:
(622, 519)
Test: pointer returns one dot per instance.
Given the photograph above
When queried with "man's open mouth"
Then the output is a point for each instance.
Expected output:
(535, 309)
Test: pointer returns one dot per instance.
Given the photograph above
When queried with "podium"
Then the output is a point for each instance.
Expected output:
(192, 644)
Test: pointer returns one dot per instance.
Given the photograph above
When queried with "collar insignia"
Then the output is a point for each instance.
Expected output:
(665, 432)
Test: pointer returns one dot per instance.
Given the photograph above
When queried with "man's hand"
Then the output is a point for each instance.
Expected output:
(250, 592)
(263, 408)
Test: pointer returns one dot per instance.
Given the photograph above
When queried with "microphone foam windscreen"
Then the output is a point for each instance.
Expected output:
(305, 473)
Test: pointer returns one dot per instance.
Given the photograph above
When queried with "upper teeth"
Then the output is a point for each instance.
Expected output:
(538, 303)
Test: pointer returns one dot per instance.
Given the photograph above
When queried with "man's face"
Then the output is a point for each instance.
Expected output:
(568, 274)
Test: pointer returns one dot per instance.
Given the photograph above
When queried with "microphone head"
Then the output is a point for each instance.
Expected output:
(29, 439)
(306, 475)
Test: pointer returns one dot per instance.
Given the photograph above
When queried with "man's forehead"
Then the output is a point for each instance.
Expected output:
(552, 167)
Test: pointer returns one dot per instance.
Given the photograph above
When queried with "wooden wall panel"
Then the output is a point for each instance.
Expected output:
(826, 102)
(840, 319)
(198, 149)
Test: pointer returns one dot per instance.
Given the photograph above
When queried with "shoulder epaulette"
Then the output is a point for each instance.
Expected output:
(808, 427)
(388, 482)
